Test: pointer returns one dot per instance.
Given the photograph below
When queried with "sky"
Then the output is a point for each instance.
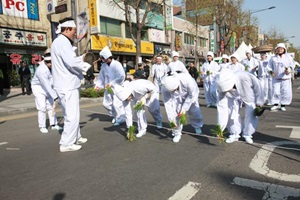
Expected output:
(285, 17)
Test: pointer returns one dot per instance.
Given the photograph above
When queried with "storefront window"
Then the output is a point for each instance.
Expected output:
(202, 42)
(110, 26)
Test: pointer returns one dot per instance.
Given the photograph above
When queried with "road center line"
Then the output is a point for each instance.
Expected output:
(3, 143)
(186, 192)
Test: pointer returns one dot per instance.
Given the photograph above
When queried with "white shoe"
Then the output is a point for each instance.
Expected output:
(81, 140)
(208, 105)
(269, 104)
(231, 140)
(248, 140)
(44, 130)
(283, 109)
(141, 133)
(274, 108)
(215, 105)
(113, 120)
(198, 131)
(177, 138)
(56, 127)
(158, 125)
(73, 147)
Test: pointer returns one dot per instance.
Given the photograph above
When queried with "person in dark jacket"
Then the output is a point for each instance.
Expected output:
(193, 71)
(25, 76)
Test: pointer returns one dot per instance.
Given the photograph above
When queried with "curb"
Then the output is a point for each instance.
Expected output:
(82, 101)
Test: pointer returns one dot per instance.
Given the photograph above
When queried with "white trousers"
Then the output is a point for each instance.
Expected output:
(114, 106)
(265, 86)
(229, 116)
(195, 117)
(153, 108)
(282, 91)
(70, 104)
(270, 89)
(210, 92)
(43, 103)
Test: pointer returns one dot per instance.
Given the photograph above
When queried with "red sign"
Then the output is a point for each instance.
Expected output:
(16, 58)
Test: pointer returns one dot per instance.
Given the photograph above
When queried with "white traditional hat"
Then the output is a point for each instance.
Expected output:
(225, 56)
(248, 51)
(210, 54)
(225, 80)
(175, 53)
(105, 53)
(170, 83)
(69, 23)
(235, 55)
(282, 45)
(121, 92)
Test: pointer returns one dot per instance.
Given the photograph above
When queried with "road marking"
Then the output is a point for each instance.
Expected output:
(272, 191)
(13, 149)
(3, 143)
(295, 131)
(186, 192)
(260, 161)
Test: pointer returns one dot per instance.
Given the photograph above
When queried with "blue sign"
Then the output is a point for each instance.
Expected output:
(32, 6)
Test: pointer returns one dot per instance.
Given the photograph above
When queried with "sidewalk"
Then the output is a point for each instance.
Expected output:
(13, 102)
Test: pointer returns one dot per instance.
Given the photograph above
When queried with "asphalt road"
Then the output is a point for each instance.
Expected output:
(109, 167)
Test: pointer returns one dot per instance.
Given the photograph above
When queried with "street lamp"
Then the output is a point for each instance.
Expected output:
(270, 8)
(256, 11)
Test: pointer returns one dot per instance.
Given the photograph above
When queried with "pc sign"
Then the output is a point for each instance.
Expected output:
(20, 8)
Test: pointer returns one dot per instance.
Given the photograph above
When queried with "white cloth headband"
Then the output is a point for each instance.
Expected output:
(70, 23)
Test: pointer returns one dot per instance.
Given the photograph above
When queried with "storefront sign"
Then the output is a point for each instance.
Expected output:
(93, 17)
(20, 8)
(120, 44)
(17, 58)
(155, 20)
(169, 14)
(178, 43)
(23, 38)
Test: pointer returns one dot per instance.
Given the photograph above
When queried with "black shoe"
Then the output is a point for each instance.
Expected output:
(23, 93)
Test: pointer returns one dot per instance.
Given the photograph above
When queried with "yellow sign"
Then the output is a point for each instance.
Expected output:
(93, 16)
(120, 44)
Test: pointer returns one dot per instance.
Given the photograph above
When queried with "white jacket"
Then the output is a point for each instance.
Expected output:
(177, 66)
(66, 66)
(43, 78)
(278, 65)
(111, 74)
(213, 68)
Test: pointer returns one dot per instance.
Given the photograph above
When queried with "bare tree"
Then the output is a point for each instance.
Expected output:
(136, 13)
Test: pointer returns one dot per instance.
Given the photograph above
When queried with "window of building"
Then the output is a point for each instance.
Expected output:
(110, 26)
(189, 39)
(144, 34)
(202, 42)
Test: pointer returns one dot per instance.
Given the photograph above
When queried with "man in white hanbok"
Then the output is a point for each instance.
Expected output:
(250, 63)
(111, 73)
(282, 65)
(159, 69)
(180, 95)
(67, 71)
(45, 96)
(209, 70)
(176, 65)
(144, 92)
(235, 65)
(263, 75)
(234, 88)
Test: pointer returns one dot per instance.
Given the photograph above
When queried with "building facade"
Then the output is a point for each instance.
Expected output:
(24, 35)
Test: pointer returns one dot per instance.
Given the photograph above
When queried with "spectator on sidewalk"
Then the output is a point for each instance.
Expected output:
(67, 75)
(193, 70)
(25, 76)
(45, 96)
